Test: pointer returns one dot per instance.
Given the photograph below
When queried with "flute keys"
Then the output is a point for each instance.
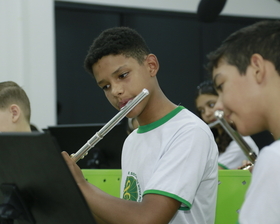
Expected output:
(84, 155)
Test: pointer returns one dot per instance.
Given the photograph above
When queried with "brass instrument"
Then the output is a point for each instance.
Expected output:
(251, 155)
(83, 151)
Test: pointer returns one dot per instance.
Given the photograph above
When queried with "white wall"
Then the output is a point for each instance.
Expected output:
(27, 54)
(27, 43)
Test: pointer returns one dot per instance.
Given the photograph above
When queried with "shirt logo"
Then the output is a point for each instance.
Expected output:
(131, 190)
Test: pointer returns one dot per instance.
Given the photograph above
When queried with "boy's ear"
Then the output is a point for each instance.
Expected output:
(153, 64)
(258, 65)
(15, 112)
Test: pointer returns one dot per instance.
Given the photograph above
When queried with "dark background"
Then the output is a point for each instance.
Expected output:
(180, 41)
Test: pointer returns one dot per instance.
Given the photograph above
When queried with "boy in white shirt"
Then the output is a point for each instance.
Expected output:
(246, 72)
(169, 164)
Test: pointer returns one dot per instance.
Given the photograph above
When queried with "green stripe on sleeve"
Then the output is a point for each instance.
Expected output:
(164, 193)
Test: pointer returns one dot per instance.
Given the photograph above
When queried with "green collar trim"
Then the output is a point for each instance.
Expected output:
(223, 166)
(151, 126)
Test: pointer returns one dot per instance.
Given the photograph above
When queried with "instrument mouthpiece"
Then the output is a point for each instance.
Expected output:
(219, 114)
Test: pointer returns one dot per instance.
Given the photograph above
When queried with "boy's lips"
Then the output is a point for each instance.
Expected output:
(227, 117)
(124, 102)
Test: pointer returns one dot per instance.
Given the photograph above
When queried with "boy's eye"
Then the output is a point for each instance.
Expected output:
(105, 87)
(219, 87)
(212, 104)
(123, 75)
(201, 111)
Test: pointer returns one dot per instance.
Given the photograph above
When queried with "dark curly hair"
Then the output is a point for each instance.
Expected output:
(262, 38)
(222, 139)
(116, 41)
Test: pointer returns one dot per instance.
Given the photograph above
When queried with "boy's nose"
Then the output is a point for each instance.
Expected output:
(218, 105)
(117, 90)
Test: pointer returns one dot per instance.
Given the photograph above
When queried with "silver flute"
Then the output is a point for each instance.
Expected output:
(83, 151)
(251, 155)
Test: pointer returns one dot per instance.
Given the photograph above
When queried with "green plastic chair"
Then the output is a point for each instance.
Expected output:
(107, 180)
(232, 186)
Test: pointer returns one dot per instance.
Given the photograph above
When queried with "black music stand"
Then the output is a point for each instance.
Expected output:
(106, 154)
(36, 185)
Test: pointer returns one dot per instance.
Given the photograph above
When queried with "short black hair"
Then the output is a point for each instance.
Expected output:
(117, 41)
(262, 37)
(206, 87)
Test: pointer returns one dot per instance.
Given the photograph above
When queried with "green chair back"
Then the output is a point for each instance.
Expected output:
(232, 186)
(106, 179)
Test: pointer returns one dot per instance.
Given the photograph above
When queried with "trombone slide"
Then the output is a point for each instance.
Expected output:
(234, 135)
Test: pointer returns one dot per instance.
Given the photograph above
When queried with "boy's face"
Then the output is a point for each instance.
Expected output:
(238, 97)
(122, 78)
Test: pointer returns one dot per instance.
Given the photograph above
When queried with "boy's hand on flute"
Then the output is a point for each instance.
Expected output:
(74, 168)
(246, 164)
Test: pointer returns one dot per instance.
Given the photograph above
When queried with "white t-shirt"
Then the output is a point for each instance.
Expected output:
(233, 156)
(261, 205)
(175, 156)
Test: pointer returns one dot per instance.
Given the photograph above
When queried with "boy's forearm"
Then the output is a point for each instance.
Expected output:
(99, 220)
(156, 209)
(108, 209)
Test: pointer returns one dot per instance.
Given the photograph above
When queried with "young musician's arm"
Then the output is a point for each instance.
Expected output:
(154, 208)
(99, 220)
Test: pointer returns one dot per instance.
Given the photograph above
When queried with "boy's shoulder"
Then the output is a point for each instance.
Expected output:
(273, 148)
(177, 121)
(189, 120)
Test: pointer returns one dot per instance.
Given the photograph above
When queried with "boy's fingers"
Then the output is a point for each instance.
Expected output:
(67, 158)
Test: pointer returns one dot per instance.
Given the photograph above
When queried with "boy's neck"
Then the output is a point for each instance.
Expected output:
(156, 109)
